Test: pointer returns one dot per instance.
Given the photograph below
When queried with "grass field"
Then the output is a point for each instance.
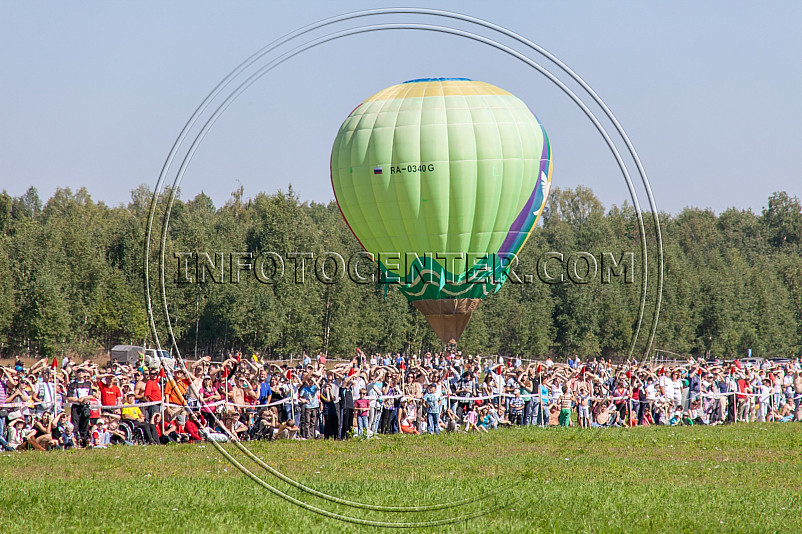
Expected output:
(740, 478)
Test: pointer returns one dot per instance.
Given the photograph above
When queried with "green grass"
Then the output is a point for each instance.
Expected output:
(740, 478)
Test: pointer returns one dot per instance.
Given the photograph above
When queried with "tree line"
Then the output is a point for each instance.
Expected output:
(72, 280)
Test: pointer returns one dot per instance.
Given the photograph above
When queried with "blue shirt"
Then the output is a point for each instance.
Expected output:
(432, 402)
(309, 394)
(544, 393)
(265, 391)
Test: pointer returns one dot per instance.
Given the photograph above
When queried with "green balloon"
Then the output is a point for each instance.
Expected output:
(442, 180)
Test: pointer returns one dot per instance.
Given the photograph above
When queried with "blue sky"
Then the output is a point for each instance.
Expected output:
(95, 94)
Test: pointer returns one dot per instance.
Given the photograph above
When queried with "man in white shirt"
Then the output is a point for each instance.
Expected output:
(666, 387)
(44, 393)
(764, 390)
(498, 381)
(358, 385)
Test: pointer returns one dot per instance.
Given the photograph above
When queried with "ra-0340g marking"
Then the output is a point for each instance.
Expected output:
(411, 167)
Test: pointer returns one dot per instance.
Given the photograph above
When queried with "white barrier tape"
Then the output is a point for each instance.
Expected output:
(229, 403)
(116, 406)
(450, 396)
(720, 395)
(14, 405)
(460, 398)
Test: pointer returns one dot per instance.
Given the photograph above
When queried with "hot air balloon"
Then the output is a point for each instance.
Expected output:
(442, 180)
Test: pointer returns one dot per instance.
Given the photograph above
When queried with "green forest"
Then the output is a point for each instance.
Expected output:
(72, 281)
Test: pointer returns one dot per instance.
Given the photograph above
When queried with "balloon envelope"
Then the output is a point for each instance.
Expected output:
(442, 180)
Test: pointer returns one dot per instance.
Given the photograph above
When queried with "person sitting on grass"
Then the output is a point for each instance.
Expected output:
(451, 422)
(116, 434)
(485, 419)
(68, 435)
(156, 421)
(58, 431)
(607, 415)
(695, 414)
(216, 432)
(192, 428)
(100, 435)
(265, 425)
(44, 431)
(471, 419)
(500, 417)
(236, 424)
(287, 430)
(406, 417)
(554, 414)
(20, 437)
(172, 431)
(786, 412)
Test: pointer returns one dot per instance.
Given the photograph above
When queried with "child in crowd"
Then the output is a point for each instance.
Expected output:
(362, 407)
(517, 408)
(485, 419)
(565, 401)
(471, 419)
(100, 435)
(583, 412)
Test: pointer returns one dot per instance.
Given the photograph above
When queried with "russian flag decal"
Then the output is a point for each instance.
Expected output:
(377, 170)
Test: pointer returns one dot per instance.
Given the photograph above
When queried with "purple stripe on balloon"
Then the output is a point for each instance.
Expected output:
(524, 217)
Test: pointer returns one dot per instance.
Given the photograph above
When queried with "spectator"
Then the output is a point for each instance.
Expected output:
(362, 406)
(152, 394)
(433, 403)
(517, 408)
(78, 394)
(331, 410)
(407, 416)
(136, 418)
(100, 435)
(110, 394)
(565, 406)
(310, 397)
(603, 394)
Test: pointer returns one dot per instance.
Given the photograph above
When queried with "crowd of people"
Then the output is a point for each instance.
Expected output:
(81, 405)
